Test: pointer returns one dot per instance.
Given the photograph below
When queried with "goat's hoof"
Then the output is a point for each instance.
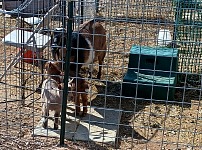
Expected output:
(44, 125)
(83, 114)
(89, 77)
(55, 127)
(38, 90)
(77, 113)
(98, 76)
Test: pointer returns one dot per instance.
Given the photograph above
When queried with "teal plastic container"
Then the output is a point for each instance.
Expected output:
(151, 73)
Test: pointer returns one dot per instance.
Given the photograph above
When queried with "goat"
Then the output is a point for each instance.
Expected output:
(53, 69)
(88, 45)
(51, 96)
(58, 38)
(76, 86)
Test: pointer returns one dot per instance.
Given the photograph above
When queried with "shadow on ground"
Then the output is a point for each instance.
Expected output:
(109, 96)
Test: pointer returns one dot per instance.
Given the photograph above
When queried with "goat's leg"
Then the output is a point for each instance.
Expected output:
(77, 103)
(56, 119)
(45, 114)
(100, 60)
(90, 70)
(55, 54)
(85, 103)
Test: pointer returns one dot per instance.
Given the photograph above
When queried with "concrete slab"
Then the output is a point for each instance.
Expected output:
(99, 125)
(50, 132)
(71, 126)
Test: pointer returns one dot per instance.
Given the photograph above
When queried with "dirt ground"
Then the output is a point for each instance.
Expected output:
(144, 125)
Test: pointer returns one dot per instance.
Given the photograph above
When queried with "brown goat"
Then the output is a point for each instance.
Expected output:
(53, 70)
(96, 34)
(88, 46)
(76, 86)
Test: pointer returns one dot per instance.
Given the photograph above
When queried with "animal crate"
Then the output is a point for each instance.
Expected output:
(31, 6)
(11, 4)
(188, 20)
(151, 73)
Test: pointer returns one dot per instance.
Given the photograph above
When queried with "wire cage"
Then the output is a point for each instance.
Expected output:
(27, 7)
(147, 95)
(188, 19)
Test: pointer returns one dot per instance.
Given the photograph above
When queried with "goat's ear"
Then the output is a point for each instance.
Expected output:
(89, 26)
(50, 65)
(61, 86)
(46, 66)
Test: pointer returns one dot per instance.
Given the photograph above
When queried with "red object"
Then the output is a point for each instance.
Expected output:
(29, 57)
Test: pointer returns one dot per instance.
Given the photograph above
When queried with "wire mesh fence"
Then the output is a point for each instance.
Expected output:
(146, 97)
(189, 34)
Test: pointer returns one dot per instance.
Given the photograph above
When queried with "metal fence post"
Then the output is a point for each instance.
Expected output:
(67, 63)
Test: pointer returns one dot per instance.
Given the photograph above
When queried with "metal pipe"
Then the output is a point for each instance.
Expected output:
(64, 13)
(66, 76)
(82, 11)
(97, 6)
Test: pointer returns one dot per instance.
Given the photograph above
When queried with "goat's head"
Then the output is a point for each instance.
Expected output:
(76, 85)
(52, 68)
(58, 41)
